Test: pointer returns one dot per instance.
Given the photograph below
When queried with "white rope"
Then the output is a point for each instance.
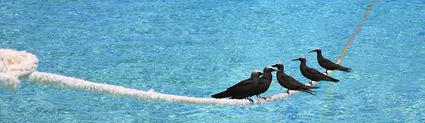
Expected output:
(22, 65)
(74, 83)
(17, 65)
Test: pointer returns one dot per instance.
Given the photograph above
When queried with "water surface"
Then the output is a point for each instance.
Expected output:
(198, 48)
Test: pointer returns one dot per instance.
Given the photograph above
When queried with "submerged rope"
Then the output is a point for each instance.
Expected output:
(22, 65)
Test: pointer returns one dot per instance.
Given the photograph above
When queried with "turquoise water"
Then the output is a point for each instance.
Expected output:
(198, 48)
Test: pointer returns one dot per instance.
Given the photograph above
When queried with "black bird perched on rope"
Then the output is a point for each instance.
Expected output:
(290, 83)
(311, 73)
(243, 89)
(265, 81)
(328, 64)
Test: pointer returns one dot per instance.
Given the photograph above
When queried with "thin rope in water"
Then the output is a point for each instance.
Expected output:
(75, 83)
(356, 31)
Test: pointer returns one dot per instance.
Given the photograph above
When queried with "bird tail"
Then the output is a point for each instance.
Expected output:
(345, 69)
(328, 78)
(312, 87)
(309, 91)
(223, 94)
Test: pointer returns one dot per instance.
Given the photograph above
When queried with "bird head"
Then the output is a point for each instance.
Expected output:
(316, 50)
(268, 69)
(256, 73)
(279, 66)
(302, 58)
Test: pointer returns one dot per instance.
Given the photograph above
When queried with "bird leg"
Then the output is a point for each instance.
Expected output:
(326, 72)
(250, 100)
(259, 96)
(287, 91)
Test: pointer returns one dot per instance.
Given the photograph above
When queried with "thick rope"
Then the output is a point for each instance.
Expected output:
(16, 65)
(75, 83)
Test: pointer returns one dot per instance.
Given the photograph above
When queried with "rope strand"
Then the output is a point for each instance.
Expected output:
(356, 31)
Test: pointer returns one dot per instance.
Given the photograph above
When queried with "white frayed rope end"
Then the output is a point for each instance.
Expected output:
(15, 65)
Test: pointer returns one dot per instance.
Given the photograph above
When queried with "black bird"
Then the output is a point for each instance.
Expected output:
(243, 89)
(265, 81)
(311, 73)
(328, 64)
(290, 83)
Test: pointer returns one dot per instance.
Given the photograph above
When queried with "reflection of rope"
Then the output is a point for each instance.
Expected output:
(358, 28)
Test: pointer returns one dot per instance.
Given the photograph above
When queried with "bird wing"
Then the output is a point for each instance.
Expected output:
(293, 82)
(241, 84)
(328, 62)
(313, 71)
(288, 78)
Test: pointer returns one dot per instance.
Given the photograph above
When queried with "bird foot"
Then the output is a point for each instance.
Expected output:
(263, 98)
(259, 96)
(250, 100)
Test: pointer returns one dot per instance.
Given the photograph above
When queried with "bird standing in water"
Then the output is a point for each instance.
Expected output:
(290, 83)
(313, 74)
(328, 64)
(243, 89)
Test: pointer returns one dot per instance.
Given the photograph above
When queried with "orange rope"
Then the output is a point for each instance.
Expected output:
(358, 28)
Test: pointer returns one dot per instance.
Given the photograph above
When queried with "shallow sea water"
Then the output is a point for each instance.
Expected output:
(198, 48)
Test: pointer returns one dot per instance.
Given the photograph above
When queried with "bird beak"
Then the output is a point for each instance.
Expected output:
(274, 70)
(274, 65)
(295, 59)
(260, 73)
(312, 51)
